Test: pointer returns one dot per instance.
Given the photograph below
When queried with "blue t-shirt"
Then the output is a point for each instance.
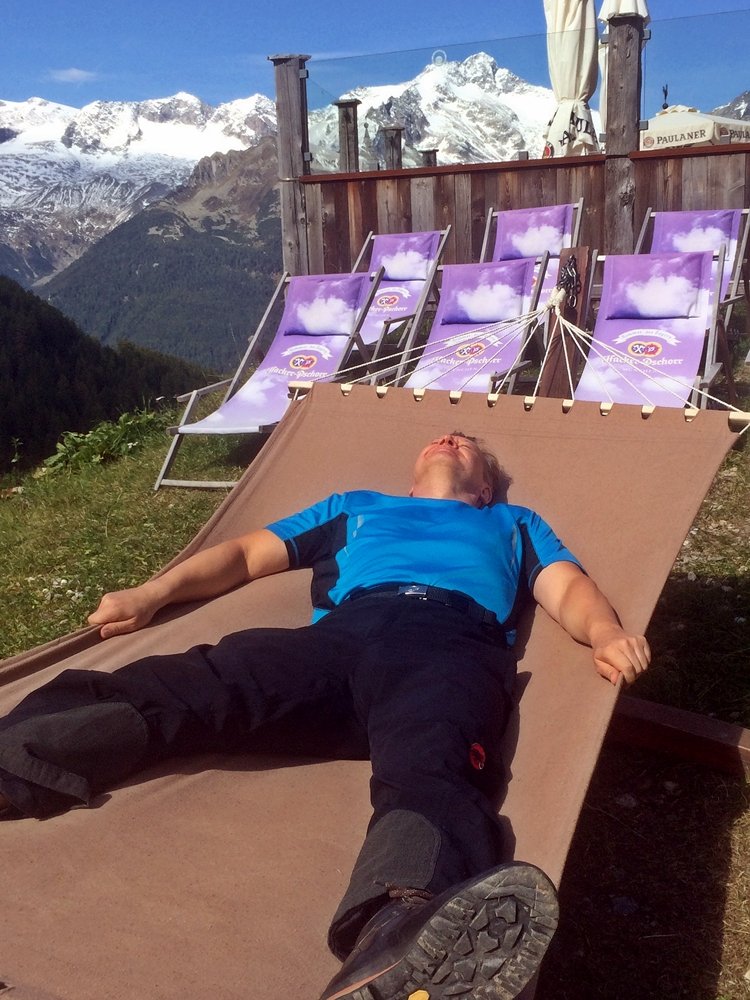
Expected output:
(363, 539)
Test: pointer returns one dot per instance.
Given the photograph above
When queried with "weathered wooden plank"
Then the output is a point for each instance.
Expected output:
(336, 243)
(619, 235)
(481, 205)
(292, 146)
(445, 212)
(422, 203)
(368, 193)
(356, 225)
(387, 199)
(403, 192)
(726, 182)
(348, 135)
(694, 183)
(624, 83)
(461, 227)
(315, 248)
(393, 140)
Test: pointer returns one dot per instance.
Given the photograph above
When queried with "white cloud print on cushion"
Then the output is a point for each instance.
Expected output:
(658, 286)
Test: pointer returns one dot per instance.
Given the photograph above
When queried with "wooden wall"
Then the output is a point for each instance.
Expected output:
(340, 209)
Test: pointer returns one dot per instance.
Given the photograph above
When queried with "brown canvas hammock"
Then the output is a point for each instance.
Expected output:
(217, 877)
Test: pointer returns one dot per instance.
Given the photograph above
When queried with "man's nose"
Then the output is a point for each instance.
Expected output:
(447, 439)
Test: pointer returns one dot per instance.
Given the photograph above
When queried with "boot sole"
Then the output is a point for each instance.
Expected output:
(484, 943)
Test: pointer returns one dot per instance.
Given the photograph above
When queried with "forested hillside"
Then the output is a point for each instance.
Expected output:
(158, 282)
(54, 378)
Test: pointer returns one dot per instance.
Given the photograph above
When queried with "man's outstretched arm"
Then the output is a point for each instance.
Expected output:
(206, 574)
(575, 601)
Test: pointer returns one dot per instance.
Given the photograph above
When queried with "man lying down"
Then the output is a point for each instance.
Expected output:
(408, 660)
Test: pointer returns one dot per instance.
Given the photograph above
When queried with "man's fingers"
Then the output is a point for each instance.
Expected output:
(117, 628)
(628, 656)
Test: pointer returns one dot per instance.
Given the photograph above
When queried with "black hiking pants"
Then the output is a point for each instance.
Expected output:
(419, 688)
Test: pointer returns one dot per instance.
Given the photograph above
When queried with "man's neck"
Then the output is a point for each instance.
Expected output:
(438, 488)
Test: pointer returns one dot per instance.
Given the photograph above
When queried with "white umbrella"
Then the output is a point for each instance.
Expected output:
(571, 53)
(609, 9)
(682, 126)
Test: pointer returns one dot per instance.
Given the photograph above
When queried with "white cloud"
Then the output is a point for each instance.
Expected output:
(72, 75)
(490, 303)
(670, 295)
(538, 240)
(326, 315)
(405, 265)
(699, 239)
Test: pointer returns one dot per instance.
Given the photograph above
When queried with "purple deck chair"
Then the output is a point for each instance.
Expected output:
(697, 230)
(472, 339)
(409, 262)
(321, 321)
(532, 232)
(654, 342)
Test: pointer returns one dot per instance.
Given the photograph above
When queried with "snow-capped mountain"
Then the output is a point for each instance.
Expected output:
(471, 112)
(68, 176)
(737, 108)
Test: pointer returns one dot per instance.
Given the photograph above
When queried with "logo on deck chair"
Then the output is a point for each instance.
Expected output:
(646, 344)
(392, 297)
(471, 350)
(645, 349)
(302, 360)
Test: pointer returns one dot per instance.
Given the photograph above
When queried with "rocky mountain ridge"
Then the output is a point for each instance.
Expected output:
(68, 176)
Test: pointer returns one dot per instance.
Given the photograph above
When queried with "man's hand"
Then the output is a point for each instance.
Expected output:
(575, 601)
(204, 575)
(618, 654)
(123, 611)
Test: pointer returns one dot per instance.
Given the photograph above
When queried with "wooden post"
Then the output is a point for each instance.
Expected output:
(294, 157)
(429, 157)
(392, 142)
(348, 135)
(554, 381)
(624, 80)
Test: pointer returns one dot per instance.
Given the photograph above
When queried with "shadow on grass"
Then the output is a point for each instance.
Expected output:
(644, 892)
(700, 638)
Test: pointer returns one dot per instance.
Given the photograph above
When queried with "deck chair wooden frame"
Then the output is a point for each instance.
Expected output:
(259, 345)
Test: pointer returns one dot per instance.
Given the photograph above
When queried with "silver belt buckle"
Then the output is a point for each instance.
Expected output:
(414, 590)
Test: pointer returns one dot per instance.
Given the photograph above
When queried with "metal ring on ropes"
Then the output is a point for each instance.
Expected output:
(570, 281)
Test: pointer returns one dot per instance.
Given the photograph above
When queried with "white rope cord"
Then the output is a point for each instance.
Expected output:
(531, 321)
(436, 350)
(545, 359)
(489, 360)
(577, 335)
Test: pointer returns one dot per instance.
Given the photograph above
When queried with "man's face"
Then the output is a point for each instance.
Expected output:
(464, 460)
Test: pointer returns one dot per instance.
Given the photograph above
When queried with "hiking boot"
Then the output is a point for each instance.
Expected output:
(480, 940)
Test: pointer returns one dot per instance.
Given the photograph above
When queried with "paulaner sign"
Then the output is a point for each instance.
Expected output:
(692, 128)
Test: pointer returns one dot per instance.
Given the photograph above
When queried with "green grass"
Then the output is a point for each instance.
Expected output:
(68, 537)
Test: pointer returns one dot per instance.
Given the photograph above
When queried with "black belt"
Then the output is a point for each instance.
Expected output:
(450, 598)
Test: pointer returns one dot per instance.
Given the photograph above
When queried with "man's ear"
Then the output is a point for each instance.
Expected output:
(485, 496)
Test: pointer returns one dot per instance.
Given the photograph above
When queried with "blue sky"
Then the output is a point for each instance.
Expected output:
(75, 52)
